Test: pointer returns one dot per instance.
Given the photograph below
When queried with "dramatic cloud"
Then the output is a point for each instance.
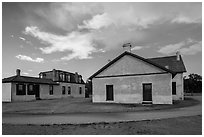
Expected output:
(97, 22)
(168, 49)
(188, 47)
(27, 58)
(84, 28)
(193, 49)
(25, 73)
(21, 38)
(79, 44)
(137, 48)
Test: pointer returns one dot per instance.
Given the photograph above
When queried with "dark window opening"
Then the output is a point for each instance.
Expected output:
(30, 90)
(80, 90)
(69, 90)
(173, 88)
(63, 90)
(109, 93)
(51, 89)
(20, 89)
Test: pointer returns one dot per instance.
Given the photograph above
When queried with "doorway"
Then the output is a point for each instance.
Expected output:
(37, 91)
(147, 92)
(109, 93)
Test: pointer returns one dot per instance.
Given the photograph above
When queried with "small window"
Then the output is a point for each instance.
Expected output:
(20, 89)
(80, 90)
(79, 79)
(173, 88)
(30, 90)
(63, 90)
(69, 90)
(51, 89)
(69, 77)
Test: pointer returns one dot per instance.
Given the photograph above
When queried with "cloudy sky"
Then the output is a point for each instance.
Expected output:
(82, 37)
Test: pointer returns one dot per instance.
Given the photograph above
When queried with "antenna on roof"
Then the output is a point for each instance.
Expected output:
(126, 46)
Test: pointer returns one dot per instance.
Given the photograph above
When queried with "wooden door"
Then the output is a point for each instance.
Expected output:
(147, 92)
(109, 93)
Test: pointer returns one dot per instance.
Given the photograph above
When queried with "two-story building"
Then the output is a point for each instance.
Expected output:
(49, 84)
(70, 84)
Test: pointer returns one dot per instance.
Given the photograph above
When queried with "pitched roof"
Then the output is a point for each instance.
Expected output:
(171, 62)
(136, 56)
(26, 79)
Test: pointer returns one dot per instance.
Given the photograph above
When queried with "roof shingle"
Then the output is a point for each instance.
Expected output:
(171, 62)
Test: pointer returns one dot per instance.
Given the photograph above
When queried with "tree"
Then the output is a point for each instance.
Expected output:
(193, 84)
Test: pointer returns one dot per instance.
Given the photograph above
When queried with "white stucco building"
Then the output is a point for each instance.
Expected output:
(49, 85)
(133, 79)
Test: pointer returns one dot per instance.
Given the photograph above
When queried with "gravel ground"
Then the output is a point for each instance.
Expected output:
(174, 126)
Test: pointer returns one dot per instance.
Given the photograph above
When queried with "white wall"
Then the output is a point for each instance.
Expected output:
(6, 92)
(74, 89)
(130, 65)
(179, 87)
(130, 89)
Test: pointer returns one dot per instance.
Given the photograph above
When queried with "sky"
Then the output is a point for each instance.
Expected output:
(83, 37)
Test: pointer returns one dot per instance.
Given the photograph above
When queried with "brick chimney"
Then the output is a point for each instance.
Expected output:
(76, 77)
(18, 72)
(178, 56)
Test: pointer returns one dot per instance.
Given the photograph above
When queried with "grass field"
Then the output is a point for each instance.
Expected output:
(173, 126)
(83, 105)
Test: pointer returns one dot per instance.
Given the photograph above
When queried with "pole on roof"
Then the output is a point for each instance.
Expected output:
(127, 45)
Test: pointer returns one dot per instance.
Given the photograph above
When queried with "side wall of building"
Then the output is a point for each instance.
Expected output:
(74, 89)
(129, 89)
(6, 92)
(179, 87)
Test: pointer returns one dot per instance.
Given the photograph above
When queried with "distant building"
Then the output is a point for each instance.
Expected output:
(70, 84)
(24, 88)
(130, 78)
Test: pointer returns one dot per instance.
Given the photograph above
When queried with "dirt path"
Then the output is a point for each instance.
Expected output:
(103, 117)
(172, 126)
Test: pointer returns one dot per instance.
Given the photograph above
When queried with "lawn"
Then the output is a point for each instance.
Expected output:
(83, 105)
(174, 126)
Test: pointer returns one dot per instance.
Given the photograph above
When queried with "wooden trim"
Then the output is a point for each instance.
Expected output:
(131, 75)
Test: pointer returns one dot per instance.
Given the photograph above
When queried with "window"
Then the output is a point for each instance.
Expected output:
(69, 77)
(173, 88)
(63, 77)
(41, 75)
(20, 89)
(63, 90)
(80, 90)
(60, 77)
(79, 79)
(69, 90)
(51, 89)
(30, 90)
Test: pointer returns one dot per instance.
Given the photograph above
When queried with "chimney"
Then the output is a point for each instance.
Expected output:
(178, 56)
(76, 77)
(18, 72)
(54, 75)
